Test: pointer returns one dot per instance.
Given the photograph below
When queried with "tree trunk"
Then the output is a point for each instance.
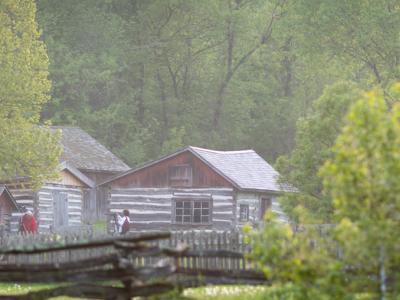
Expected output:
(140, 95)
(229, 62)
(287, 66)
(163, 99)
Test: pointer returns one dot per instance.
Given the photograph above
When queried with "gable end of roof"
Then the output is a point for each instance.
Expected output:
(78, 174)
(5, 190)
(244, 169)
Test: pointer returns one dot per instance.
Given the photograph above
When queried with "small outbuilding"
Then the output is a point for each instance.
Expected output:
(8, 206)
(73, 199)
(58, 204)
(196, 188)
(95, 161)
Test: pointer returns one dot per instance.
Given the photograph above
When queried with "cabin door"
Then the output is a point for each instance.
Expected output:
(266, 204)
(60, 209)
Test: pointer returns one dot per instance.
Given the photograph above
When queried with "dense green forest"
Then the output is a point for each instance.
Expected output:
(311, 85)
(147, 77)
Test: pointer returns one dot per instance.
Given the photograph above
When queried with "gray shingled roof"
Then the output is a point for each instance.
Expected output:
(86, 153)
(245, 169)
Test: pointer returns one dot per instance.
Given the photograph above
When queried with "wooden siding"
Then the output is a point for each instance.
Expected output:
(23, 195)
(6, 209)
(253, 200)
(51, 211)
(95, 199)
(98, 176)
(66, 178)
(152, 208)
(157, 174)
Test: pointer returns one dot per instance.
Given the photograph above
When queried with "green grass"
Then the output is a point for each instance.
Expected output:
(100, 225)
(15, 289)
(221, 292)
(235, 292)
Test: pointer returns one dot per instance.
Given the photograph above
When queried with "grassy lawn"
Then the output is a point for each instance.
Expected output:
(15, 289)
(100, 226)
(231, 292)
(203, 293)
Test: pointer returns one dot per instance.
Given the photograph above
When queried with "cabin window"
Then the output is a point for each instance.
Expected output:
(180, 175)
(192, 211)
(244, 213)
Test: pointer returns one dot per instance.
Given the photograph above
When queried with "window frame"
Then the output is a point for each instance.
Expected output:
(193, 208)
(247, 212)
(189, 179)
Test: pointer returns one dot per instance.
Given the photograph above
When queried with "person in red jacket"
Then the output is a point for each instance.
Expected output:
(27, 223)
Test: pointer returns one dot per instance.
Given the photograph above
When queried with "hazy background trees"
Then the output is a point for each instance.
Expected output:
(146, 77)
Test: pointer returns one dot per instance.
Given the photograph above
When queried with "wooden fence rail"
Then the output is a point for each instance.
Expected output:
(132, 260)
(33, 247)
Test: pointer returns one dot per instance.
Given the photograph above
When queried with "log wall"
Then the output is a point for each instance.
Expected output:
(152, 208)
(46, 203)
(253, 200)
(23, 195)
(6, 209)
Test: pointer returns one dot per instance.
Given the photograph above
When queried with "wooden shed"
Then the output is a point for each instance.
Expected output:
(197, 188)
(8, 206)
(57, 204)
(93, 160)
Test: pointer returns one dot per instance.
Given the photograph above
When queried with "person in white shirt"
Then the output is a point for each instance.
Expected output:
(122, 222)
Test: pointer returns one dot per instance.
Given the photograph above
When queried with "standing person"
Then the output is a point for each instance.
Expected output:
(27, 223)
(123, 222)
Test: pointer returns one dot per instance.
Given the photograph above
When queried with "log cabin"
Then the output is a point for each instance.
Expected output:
(93, 160)
(57, 204)
(8, 206)
(74, 198)
(196, 188)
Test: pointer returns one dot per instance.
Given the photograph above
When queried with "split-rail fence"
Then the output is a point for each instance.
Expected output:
(143, 264)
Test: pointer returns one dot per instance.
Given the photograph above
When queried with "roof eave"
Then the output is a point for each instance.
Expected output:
(103, 171)
(277, 192)
(10, 196)
(78, 174)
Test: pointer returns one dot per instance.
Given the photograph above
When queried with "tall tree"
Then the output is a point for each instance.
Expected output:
(145, 77)
(361, 177)
(362, 180)
(361, 34)
(315, 136)
(26, 149)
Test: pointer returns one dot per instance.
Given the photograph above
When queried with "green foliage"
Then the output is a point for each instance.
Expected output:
(315, 136)
(360, 177)
(26, 150)
(147, 76)
(361, 35)
(300, 264)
